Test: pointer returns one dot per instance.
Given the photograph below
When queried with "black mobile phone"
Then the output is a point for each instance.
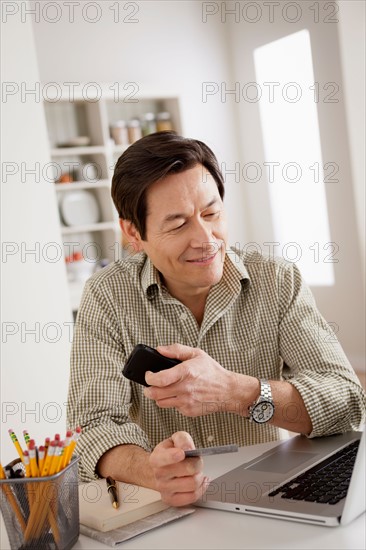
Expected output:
(143, 359)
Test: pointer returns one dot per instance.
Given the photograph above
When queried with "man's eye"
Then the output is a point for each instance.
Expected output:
(212, 214)
(178, 227)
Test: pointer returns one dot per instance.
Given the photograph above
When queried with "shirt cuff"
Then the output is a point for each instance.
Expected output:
(95, 442)
(327, 402)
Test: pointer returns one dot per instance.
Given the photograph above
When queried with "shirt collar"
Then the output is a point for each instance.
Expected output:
(235, 275)
(150, 279)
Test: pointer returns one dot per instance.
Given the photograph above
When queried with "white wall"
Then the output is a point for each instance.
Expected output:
(34, 367)
(168, 50)
(343, 303)
(352, 46)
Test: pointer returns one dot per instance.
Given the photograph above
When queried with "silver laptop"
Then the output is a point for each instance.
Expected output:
(320, 480)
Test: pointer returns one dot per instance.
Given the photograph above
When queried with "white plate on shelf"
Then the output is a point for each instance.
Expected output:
(79, 208)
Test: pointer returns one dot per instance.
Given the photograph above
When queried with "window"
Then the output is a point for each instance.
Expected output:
(293, 157)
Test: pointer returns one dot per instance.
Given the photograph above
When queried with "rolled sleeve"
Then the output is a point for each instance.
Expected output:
(99, 395)
(94, 442)
(318, 367)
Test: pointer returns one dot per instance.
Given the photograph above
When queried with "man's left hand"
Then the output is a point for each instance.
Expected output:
(196, 387)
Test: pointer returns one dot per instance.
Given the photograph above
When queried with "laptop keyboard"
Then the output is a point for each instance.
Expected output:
(327, 482)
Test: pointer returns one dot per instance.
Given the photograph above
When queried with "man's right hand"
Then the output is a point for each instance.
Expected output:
(179, 480)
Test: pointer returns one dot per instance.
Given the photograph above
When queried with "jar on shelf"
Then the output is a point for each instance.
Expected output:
(148, 124)
(65, 178)
(119, 132)
(134, 130)
(163, 121)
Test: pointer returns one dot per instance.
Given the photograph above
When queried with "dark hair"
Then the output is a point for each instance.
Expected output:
(150, 159)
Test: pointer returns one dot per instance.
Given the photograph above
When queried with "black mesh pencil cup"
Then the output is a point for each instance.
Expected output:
(42, 512)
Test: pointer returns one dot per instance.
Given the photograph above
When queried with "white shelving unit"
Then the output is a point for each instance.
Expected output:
(68, 119)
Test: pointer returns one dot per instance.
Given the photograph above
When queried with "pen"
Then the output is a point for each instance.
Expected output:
(112, 490)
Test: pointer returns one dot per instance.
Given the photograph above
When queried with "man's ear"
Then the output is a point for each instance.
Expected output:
(131, 235)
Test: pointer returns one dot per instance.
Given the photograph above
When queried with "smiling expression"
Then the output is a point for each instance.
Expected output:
(186, 232)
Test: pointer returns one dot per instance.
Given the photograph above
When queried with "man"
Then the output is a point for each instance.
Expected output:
(245, 327)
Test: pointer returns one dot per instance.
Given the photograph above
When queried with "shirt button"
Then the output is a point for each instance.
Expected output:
(210, 439)
(183, 317)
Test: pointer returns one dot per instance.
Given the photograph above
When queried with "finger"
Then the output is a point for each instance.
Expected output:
(165, 377)
(165, 454)
(178, 351)
(179, 499)
(182, 499)
(168, 403)
(183, 440)
(188, 467)
(180, 484)
(171, 450)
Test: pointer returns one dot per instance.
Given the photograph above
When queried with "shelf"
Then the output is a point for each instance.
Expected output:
(102, 226)
(68, 119)
(67, 151)
(77, 185)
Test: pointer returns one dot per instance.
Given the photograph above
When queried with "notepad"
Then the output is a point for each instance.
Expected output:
(97, 512)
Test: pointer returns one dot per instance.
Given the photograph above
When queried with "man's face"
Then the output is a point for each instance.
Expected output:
(186, 231)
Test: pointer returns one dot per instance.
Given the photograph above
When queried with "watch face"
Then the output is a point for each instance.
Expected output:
(263, 412)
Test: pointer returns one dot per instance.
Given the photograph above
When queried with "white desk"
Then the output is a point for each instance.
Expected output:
(214, 529)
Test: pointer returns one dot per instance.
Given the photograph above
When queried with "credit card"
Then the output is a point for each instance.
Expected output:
(221, 449)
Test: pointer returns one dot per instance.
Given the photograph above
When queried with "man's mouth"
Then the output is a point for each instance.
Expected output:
(202, 260)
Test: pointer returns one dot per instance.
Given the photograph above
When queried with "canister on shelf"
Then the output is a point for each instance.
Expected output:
(119, 132)
(134, 130)
(163, 121)
(148, 124)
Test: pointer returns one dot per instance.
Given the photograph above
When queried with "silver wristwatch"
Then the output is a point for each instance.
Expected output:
(263, 408)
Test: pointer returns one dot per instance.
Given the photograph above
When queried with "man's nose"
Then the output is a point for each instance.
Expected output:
(201, 237)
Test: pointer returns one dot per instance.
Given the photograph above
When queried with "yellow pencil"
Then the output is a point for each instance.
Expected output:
(32, 458)
(26, 437)
(49, 459)
(73, 445)
(46, 445)
(16, 443)
(27, 464)
(28, 473)
(60, 460)
(40, 458)
(35, 520)
(66, 447)
(56, 459)
(38, 512)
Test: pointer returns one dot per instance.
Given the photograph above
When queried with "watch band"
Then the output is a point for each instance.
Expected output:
(266, 391)
(265, 396)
